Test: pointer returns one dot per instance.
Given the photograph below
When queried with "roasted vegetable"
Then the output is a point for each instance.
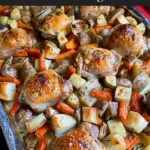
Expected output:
(62, 123)
(123, 94)
(35, 123)
(116, 126)
(89, 114)
(135, 122)
(114, 142)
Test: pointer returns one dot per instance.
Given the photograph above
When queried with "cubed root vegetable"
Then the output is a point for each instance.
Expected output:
(136, 102)
(123, 94)
(89, 114)
(24, 26)
(10, 79)
(70, 71)
(33, 52)
(116, 126)
(62, 123)
(135, 122)
(131, 141)
(42, 143)
(102, 95)
(65, 55)
(123, 110)
(35, 123)
(16, 105)
(42, 130)
(76, 80)
(7, 91)
(64, 108)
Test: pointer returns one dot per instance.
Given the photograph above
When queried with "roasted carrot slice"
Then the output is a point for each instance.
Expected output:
(42, 130)
(102, 95)
(42, 61)
(146, 116)
(131, 141)
(99, 28)
(3, 8)
(22, 53)
(123, 111)
(136, 102)
(65, 55)
(16, 105)
(64, 108)
(24, 26)
(70, 71)
(34, 52)
(72, 43)
(42, 143)
(10, 79)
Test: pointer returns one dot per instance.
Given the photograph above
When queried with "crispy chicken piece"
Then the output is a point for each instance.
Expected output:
(55, 23)
(126, 40)
(44, 89)
(97, 61)
(14, 40)
(82, 138)
(92, 12)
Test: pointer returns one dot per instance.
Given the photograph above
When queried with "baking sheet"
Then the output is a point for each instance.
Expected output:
(5, 123)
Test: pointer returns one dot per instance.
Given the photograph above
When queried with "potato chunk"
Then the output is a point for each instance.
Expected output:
(101, 20)
(84, 92)
(7, 91)
(116, 126)
(89, 114)
(73, 101)
(76, 80)
(135, 122)
(62, 123)
(123, 93)
(114, 142)
(110, 81)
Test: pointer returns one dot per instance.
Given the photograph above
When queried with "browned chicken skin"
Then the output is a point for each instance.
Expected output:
(97, 61)
(126, 40)
(55, 23)
(45, 89)
(92, 12)
(82, 138)
(13, 40)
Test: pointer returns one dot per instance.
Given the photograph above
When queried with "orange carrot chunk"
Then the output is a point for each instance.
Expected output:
(3, 8)
(123, 111)
(33, 52)
(42, 143)
(22, 53)
(64, 108)
(42, 61)
(16, 105)
(147, 65)
(127, 65)
(24, 26)
(70, 71)
(65, 55)
(99, 121)
(1, 64)
(102, 95)
(99, 28)
(42, 130)
(131, 141)
(72, 43)
(10, 79)
(136, 102)
(146, 116)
